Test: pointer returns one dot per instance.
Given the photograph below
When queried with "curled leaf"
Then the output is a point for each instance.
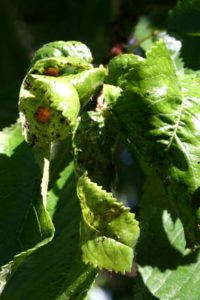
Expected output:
(48, 109)
(59, 66)
(65, 49)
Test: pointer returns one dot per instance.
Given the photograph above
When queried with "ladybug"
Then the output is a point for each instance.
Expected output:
(51, 71)
(43, 114)
(117, 49)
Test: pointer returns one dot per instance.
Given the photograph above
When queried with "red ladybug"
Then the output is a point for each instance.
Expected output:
(117, 49)
(43, 114)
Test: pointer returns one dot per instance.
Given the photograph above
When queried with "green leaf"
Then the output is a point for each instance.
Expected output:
(168, 269)
(55, 271)
(184, 23)
(25, 223)
(60, 66)
(141, 292)
(65, 49)
(59, 99)
(144, 33)
(111, 93)
(7, 142)
(87, 82)
(109, 231)
(174, 47)
(159, 114)
(49, 106)
(95, 135)
(119, 66)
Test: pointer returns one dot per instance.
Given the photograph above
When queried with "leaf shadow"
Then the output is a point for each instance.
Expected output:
(141, 291)
(155, 248)
(56, 269)
(19, 186)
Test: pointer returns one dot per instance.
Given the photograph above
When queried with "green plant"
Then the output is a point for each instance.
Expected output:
(60, 223)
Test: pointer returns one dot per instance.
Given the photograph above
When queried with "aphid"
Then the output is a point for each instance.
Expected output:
(51, 71)
(43, 114)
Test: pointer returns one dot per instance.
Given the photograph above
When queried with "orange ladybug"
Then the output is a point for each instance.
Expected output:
(51, 71)
(43, 114)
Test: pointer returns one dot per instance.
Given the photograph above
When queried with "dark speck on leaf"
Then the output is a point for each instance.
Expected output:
(27, 84)
(34, 139)
(62, 120)
(26, 125)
